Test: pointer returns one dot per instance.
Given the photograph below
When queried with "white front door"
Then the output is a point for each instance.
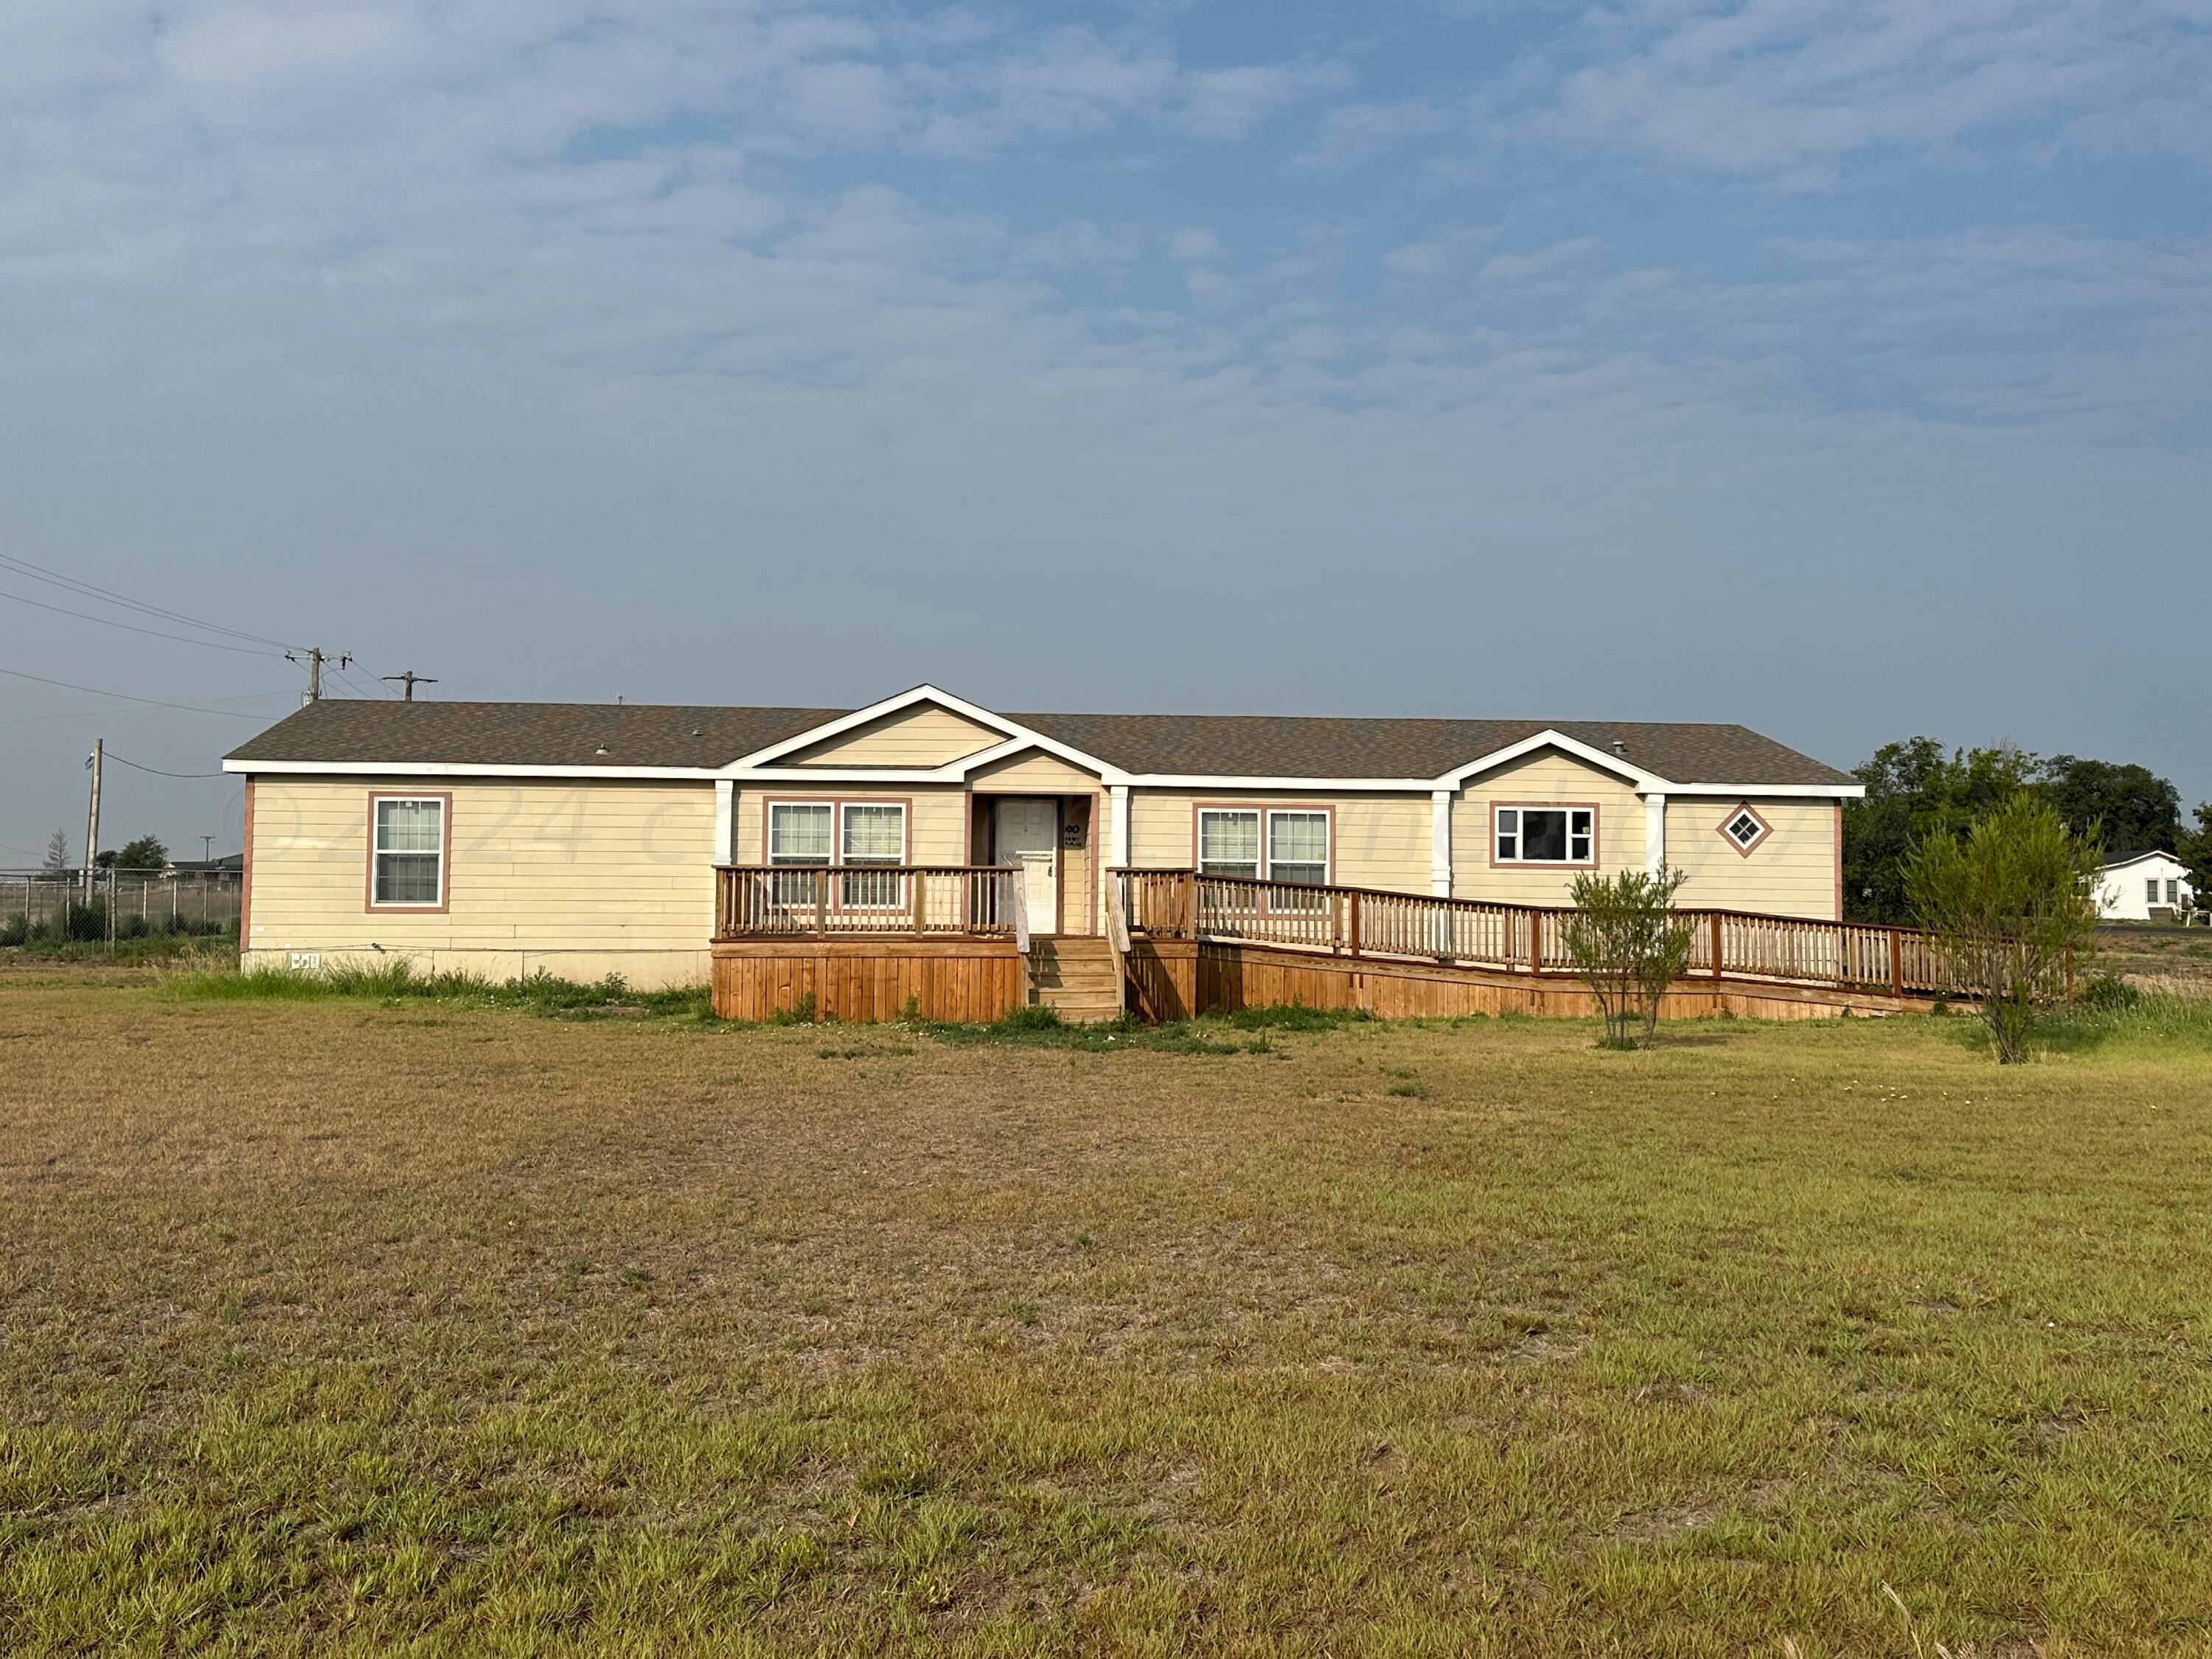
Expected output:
(1028, 834)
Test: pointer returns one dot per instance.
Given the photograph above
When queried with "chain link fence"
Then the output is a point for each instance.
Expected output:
(38, 908)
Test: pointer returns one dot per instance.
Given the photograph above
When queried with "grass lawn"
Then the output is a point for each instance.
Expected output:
(347, 1326)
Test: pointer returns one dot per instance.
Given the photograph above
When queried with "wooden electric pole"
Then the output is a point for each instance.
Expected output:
(316, 658)
(92, 816)
(410, 679)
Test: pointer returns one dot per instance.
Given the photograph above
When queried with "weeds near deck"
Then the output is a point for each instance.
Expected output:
(397, 981)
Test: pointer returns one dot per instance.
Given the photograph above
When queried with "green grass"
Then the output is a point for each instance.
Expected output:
(375, 1322)
(397, 981)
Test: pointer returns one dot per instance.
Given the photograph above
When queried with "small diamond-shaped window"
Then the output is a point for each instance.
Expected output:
(1745, 829)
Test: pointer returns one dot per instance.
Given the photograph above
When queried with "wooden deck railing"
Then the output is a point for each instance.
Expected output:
(921, 901)
(1181, 904)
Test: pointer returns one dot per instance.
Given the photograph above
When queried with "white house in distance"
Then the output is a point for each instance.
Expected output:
(2135, 883)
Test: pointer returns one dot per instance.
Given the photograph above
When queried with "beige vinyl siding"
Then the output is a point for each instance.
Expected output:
(937, 822)
(1076, 898)
(577, 878)
(1792, 873)
(925, 735)
(1376, 841)
(1040, 774)
(1034, 774)
(1546, 778)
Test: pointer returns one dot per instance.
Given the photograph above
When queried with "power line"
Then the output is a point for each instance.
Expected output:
(39, 573)
(372, 691)
(137, 767)
(152, 702)
(156, 633)
(119, 712)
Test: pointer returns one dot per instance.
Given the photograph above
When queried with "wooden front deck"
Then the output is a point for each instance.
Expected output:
(869, 942)
(953, 943)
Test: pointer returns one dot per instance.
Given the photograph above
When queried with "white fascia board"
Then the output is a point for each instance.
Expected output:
(1636, 775)
(459, 769)
(797, 777)
(925, 693)
(1305, 785)
(1771, 791)
(1643, 781)
(831, 728)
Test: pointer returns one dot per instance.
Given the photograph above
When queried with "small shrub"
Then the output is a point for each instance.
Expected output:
(16, 930)
(801, 1012)
(1629, 944)
(2106, 993)
(1297, 1017)
(1034, 1016)
(2008, 908)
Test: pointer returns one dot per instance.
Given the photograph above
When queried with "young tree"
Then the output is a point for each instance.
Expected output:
(1630, 945)
(2009, 905)
(146, 853)
(57, 862)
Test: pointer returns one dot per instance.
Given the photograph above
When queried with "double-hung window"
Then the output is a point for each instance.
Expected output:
(1229, 842)
(873, 834)
(1546, 835)
(805, 835)
(2150, 891)
(2172, 891)
(800, 835)
(1276, 843)
(407, 854)
(1297, 852)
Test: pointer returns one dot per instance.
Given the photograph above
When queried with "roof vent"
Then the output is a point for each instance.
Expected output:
(601, 750)
(1620, 746)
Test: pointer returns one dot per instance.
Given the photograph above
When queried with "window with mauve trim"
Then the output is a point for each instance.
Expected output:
(410, 852)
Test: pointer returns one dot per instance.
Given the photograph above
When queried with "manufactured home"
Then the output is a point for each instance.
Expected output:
(925, 852)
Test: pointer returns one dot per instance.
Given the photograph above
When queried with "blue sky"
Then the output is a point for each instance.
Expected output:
(1842, 369)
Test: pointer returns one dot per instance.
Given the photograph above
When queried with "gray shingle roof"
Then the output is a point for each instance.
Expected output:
(526, 733)
(385, 734)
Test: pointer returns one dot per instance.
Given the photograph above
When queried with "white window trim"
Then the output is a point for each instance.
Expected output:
(1258, 841)
(790, 861)
(1328, 840)
(838, 861)
(1499, 809)
(846, 861)
(1263, 868)
(378, 852)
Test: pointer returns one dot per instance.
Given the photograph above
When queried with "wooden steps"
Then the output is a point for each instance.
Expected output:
(1076, 976)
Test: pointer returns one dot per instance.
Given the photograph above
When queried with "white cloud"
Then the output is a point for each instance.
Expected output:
(1196, 245)
(673, 321)
(1784, 88)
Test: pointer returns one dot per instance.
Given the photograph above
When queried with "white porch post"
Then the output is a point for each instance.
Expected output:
(1119, 853)
(1655, 832)
(726, 817)
(1440, 868)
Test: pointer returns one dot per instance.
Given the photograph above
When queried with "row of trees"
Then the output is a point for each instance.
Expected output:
(146, 853)
(1919, 793)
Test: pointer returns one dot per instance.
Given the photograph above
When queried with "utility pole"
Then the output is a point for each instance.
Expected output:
(92, 815)
(316, 658)
(410, 679)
